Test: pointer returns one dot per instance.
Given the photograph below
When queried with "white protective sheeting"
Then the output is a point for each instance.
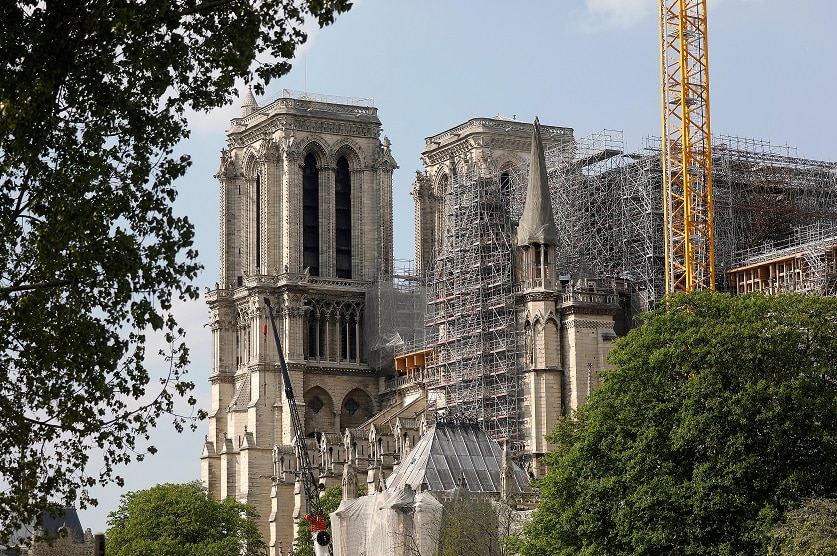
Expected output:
(396, 522)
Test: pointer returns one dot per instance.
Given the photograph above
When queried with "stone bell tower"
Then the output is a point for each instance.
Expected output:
(537, 238)
(305, 219)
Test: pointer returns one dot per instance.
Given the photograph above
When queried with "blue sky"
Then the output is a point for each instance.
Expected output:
(585, 64)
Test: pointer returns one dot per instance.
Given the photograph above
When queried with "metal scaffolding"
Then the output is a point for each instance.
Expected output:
(611, 218)
(471, 308)
(806, 263)
(642, 222)
(608, 208)
(771, 197)
(585, 187)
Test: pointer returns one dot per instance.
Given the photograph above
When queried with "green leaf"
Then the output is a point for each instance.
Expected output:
(719, 416)
(92, 104)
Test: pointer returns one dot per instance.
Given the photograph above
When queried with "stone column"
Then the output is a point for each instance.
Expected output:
(293, 210)
(294, 326)
(318, 331)
(357, 338)
(271, 208)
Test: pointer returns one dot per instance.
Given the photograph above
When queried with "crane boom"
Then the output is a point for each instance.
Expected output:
(313, 511)
(686, 146)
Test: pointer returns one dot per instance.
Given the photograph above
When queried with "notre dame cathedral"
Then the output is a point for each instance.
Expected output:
(504, 340)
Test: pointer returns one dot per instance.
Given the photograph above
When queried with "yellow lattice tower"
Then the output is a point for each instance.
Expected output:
(687, 158)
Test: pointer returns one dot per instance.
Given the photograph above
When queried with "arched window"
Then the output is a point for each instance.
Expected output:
(313, 336)
(317, 333)
(444, 184)
(238, 347)
(343, 218)
(355, 410)
(505, 187)
(258, 213)
(348, 337)
(311, 215)
(319, 411)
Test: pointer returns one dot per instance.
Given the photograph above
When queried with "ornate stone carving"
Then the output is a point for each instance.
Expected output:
(587, 323)
(269, 149)
(229, 167)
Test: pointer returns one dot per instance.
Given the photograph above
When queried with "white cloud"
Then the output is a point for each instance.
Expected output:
(621, 14)
(618, 13)
(214, 121)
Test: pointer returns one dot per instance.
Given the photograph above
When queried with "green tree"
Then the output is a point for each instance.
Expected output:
(93, 97)
(470, 527)
(719, 417)
(809, 530)
(182, 520)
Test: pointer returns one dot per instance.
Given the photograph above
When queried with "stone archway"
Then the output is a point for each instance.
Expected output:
(355, 409)
(319, 411)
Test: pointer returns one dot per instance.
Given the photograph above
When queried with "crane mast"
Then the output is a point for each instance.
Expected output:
(686, 147)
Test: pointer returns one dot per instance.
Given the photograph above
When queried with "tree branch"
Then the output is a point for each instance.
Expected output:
(208, 5)
(37, 286)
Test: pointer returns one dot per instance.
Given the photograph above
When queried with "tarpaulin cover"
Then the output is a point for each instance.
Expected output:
(396, 522)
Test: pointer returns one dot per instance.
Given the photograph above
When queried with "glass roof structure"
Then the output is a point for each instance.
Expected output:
(452, 452)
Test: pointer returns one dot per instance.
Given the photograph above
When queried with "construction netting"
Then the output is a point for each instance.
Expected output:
(395, 522)
(394, 317)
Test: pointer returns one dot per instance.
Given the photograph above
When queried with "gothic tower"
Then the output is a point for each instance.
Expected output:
(488, 145)
(537, 238)
(306, 219)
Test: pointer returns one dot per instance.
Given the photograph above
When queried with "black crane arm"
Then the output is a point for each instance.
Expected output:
(306, 470)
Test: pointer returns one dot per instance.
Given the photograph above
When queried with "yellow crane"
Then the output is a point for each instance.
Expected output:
(686, 146)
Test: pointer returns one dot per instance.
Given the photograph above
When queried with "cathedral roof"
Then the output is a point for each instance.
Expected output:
(449, 452)
(537, 225)
(51, 524)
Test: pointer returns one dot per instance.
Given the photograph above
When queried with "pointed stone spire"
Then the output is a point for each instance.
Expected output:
(507, 486)
(249, 105)
(537, 225)
(349, 483)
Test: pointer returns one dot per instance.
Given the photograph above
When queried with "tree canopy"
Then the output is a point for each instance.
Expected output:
(182, 520)
(470, 527)
(93, 98)
(809, 530)
(719, 417)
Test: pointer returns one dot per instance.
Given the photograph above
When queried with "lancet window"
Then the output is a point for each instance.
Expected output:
(311, 215)
(334, 332)
(343, 218)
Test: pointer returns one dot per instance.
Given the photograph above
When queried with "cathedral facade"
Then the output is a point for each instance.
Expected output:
(306, 220)
(513, 342)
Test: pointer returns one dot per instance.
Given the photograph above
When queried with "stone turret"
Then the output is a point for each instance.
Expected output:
(249, 105)
(537, 238)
